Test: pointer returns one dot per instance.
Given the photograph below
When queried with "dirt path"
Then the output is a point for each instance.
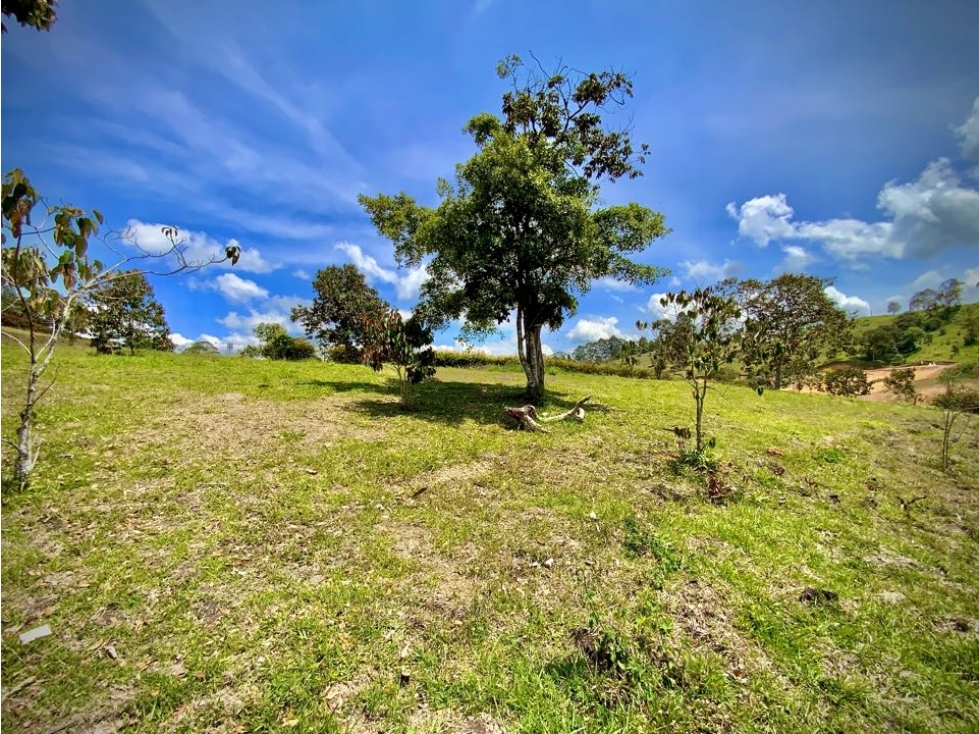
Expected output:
(925, 380)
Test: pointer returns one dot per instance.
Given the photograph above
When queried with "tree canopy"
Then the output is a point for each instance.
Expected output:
(522, 232)
(39, 14)
(342, 303)
(790, 322)
(124, 312)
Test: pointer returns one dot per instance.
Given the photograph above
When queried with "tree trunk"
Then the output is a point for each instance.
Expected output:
(778, 375)
(699, 396)
(534, 364)
(26, 455)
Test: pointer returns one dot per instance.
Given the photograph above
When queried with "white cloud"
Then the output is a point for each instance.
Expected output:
(764, 218)
(180, 341)
(797, 259)
(406, 286)
(968, 133)
(612, 284)
(657, 310)
(233, 288)
(301, 274)
(675, 282)
(927, 216)
(927, 280)
(847, 303)
(971, 278)
(704, 270)
(589, 330)
(197, 247)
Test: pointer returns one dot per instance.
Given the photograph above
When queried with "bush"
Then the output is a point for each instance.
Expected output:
(343, 354)
(847, 382)
(299, 349)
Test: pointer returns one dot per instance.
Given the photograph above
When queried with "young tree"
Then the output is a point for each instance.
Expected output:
(893, 307)
(521, 233)
(901, 383)
(954, 403)
(123, 311)
(389, 339)
(711, 343)
(47, 265)
(790, 322)
(343, 301)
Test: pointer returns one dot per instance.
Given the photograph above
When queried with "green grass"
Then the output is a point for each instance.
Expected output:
(229, 545)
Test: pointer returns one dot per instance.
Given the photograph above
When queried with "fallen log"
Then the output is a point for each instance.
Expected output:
(577, 412)
(525, 416)
(528, 418)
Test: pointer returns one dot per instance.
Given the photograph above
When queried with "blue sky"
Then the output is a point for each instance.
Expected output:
(838, 139)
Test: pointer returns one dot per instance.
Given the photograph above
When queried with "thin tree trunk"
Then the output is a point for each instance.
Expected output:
(699, 396)
(535, 363)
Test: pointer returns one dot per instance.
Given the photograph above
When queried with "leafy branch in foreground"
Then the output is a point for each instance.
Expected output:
(48, 267)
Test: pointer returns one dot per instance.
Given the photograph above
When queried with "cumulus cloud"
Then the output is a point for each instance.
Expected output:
(927, 280)
(233, 288)
(406, 286)
(971, 278)
(197, 247)
(968, 133)
(925, 217)
(764, 218)
(658, 310)
(849, 304)
(796, 260)
(180, 341)
(301, 274)
(702, 270)
(589, 330)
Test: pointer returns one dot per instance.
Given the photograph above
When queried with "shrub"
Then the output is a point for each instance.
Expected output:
(848, 382)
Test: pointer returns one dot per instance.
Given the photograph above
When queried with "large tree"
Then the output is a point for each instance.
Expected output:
(39, 14)
(790, 322)
(522, 233)
(124, 312)
(342, 303)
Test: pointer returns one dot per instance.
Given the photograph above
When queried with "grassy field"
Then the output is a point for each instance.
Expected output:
(229, 545)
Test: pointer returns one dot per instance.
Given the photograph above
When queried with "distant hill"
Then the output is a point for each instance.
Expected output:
(945, 344)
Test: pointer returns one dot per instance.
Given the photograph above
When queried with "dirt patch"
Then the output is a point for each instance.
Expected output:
(922, 373)
(209, 425)
(454, 592)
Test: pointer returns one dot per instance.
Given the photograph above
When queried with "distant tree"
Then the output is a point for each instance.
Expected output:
(124, 312)
(789, 323)
(950, 293)
(522, 232)
(673, 341)
(601, 350)
(924, 300)
(893, 307)
(46, 263)
(343, 300)
(39, 14)
(713, 321)
(971, 329)
(202, 347)
(890, 343)
(276, 343)
(846, 382)
(406, 345)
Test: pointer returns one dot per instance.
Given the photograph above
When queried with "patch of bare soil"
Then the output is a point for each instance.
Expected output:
(214, 425)
(449, 475)
(922, 373)
(449, 721)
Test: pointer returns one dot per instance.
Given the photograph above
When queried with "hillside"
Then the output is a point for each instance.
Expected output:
(232, 545)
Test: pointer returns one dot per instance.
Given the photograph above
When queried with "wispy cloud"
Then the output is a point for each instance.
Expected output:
(406, 286)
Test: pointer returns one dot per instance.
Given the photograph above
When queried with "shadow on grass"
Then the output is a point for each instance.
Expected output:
(337, 386)
(454, 402)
